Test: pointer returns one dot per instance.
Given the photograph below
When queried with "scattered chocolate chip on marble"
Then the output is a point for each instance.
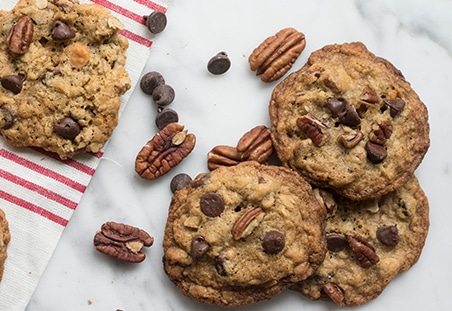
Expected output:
(163, 95)
(150, 81)
(179, 181)
(156, 22)
(219, 64)
(165, 116)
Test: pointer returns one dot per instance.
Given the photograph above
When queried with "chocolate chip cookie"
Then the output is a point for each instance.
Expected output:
(349, 121)
(369, 243)
(62, 73)
(5, 237)
(243, 233)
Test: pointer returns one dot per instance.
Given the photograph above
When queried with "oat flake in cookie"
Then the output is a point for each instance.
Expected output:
(348, 120)
(62, 71)
(369, 243)
(241, 234)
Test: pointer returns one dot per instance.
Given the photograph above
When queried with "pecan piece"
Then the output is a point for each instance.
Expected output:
(121, 241)
(256, 144)
(369, 96)
(381, 132)
(364, 252)
(334, 292)
(313, 129)
(351, 139)
(223, 156)
(20, 36)
(276, 54)
(247, 221)
(164, 151)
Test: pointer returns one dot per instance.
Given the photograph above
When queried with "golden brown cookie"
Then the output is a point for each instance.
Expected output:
(62, 74)
(5, 237)
(369, 243)
(349, 121)
(242, 234)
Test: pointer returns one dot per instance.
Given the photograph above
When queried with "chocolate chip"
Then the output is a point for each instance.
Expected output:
(212, 204)
(13, 83)
(165, 116)
(67, 127)
(346, 113)
(395, 106)
(388, 235)
(219, 64)
(61, 31)
(273, 242)
(336, 242)
(7, 117)
(163, 95)
(220, 260)
(199, 247)
(200, 181)
(150, 81)
(179, 181)
(156, 22)
(375, 152)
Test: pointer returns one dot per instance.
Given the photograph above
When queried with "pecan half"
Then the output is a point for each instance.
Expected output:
(164, 151)
(276, 54)
(313, 129)
(121, 241)
(364, 252)
(20, 36)
(223, 156)
(334, 292)
(248, 220)
(256, 144)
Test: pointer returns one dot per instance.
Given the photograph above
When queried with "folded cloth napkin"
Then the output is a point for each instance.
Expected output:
(38, 191)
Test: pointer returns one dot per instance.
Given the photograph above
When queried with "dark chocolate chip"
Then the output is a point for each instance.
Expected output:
(388, 235)
(273, 242)
(219, 64)
(150, 81)
(220, 260)
(61, 31)
(156, 22)
(375, 152)
(179, 181)
(67, 127)
(7, 117)
(13, 83)
(395, 106)
(165, 117)
(336, 242)
(346, 113)
(212, 204)
(199, 247)
(163, 95)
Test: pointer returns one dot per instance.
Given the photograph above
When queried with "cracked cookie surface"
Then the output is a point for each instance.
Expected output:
(61, 90)
(242, 234)
(392, 230)
(349, 121)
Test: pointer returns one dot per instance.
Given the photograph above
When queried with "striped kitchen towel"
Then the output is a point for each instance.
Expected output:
(38, 191)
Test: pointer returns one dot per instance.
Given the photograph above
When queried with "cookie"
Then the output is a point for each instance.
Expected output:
(369, 243)
(243, 233)
(62, 74)
(349, 121)
(5, 237)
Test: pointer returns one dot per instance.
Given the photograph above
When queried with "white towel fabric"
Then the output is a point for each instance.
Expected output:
(38, 191)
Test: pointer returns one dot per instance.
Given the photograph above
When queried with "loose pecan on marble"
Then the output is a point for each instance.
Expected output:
(164, 151)
(364, 252)
(276, 54)
(256, 144)
(20, 36)
(121, 241)
(248, 220)
(223, 155)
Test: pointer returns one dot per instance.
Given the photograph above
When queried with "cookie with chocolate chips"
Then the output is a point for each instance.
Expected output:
(5, 237)
(242, 234)
(62, 74)
(349, 121)
(369, 243)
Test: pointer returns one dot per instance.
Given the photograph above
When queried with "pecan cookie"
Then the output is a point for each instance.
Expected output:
(62, 73)
(5, 237)
(243, 233)
(348, 120)
(369, 243)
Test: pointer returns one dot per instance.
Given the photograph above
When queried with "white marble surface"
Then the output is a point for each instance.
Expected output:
(413, 35)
